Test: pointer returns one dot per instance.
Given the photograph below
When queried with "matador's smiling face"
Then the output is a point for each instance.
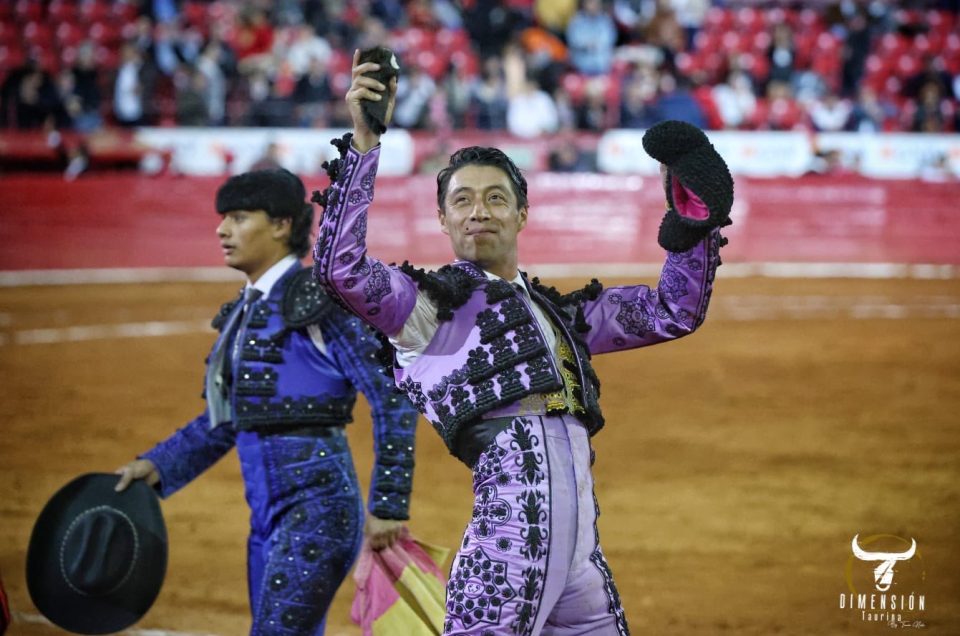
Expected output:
(481, 217)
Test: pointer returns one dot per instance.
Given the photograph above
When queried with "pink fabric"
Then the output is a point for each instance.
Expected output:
(377, 576)
(687, 203)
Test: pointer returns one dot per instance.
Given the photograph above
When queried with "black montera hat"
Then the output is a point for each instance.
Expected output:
(692, 159)
(97, 557)
(375, 113)
(690, 156)
(276, 191)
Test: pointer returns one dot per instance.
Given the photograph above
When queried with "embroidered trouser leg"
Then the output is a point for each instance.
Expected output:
(530, 562)
(306, 528)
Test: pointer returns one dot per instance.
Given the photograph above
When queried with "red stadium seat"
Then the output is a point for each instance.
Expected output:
(123, 11)
(12, 56)
(28, 10)
(718, 20)
(94, 11)
(69, 34)
(38, 34)
(105, 33)
(749, 20)
(62, 10)
(466, 62)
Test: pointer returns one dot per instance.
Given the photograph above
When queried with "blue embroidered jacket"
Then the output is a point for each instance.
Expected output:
(282, 382)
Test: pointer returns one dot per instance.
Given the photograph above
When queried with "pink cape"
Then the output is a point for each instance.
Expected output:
(400, 589)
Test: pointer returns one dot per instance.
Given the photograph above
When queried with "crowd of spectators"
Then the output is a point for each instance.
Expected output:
(527, 67)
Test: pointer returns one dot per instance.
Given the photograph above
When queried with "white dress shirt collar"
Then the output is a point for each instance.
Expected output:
(266, 282)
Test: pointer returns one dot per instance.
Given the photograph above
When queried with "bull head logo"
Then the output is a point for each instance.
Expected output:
(883, 573)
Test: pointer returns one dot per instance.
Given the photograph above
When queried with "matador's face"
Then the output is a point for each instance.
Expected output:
(481, 217)
(252, 241)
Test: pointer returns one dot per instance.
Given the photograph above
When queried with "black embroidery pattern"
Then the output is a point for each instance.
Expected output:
(522, 625)
(304, 303)
(673, 284)
(359, 229)
(488, 465)
(614, 607)
(523, 440)
(535, 535)
(220, 319)
(267, 415)
(448, 288)
(489, 512)
(261, 350)
(478, 591)
(414, 391)
(633, 316)
(249, 381)
(377, 286)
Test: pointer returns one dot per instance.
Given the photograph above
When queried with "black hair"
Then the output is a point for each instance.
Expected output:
(276, 191)
(480, 156)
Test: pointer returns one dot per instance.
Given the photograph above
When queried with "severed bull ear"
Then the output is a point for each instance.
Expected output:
(375, 113)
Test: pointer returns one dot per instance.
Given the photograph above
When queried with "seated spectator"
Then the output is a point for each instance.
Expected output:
(931, 115)
(415, 89)
(554, 15)
(86, 88)
(36, 102)
(830, 114)
(676, 101)
(664, 32)
(269, 107)
(215, 93)
(130, 88)
(567, 156)
(488, 97)
(191, 98)
(591, 36)
(457, 92)
(933, 70)
(491, 25)
(782, 54)
(779, 110)
(870, 114)
(253, 41)
(592, 112)
(312, 96)
(306, 47)
(639, 92)
(531, 112)
(735, 100)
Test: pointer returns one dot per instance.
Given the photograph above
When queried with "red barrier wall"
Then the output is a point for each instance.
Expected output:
(129, 221)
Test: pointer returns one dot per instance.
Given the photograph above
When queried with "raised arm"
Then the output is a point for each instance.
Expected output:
(379, 294)
(699, 193)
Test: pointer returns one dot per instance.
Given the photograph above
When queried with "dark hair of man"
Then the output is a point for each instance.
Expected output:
(276, 191)
(480, 156)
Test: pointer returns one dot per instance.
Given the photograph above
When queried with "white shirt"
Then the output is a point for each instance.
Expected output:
(266, 282)
(422, 324)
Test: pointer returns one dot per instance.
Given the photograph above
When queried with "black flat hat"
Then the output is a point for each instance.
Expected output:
(97, 557)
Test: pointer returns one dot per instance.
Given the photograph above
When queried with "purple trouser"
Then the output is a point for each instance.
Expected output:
(530, 562)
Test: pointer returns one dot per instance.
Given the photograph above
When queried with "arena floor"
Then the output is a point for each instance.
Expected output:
(735, 468)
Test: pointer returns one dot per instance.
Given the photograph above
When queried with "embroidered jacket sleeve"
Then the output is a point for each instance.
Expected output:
(381, 295)
(636, 316)
(355, 347)
(183, 456)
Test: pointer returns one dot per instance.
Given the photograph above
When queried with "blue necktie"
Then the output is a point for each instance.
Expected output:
(219, 375)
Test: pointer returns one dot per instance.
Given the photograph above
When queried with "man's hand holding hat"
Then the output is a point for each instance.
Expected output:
(697, 182)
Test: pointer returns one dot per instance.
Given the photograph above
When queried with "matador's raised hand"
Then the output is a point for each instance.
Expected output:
(697, 182)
